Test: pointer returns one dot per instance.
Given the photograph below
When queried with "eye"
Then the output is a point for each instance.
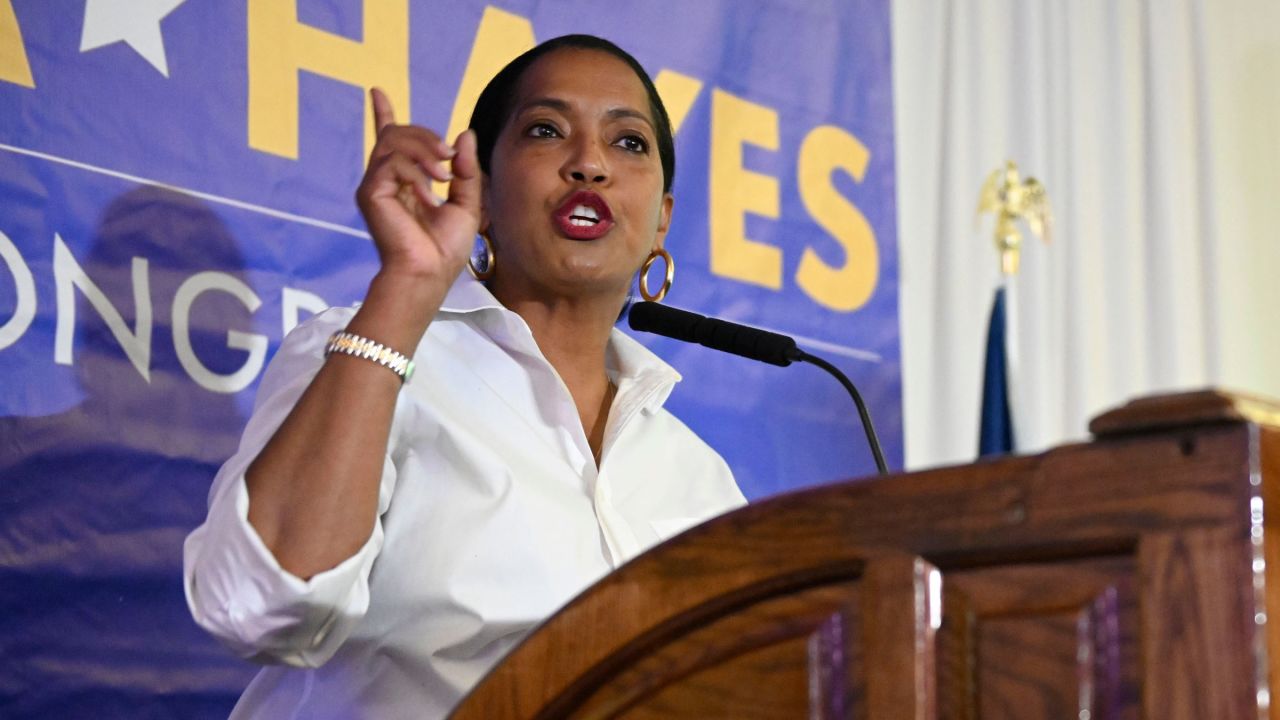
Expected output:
(542, 130)
(633, 143)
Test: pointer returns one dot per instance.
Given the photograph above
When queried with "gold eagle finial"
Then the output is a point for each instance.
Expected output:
(1012, 199)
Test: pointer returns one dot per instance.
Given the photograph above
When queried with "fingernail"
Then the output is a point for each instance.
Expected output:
(446, 149)
(441, 171)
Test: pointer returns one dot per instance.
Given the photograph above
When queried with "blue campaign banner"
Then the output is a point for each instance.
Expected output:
(176, 184)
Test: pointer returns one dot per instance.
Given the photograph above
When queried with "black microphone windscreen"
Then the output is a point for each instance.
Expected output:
(717, 334)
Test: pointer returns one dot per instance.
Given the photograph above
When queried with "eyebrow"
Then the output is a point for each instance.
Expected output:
(562, 106)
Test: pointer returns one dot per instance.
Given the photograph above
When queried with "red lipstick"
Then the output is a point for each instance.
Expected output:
(583, 216)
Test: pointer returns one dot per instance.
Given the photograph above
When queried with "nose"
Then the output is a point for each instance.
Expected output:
(587, 162)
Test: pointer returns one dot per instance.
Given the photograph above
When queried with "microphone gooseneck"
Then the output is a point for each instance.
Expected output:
(863, 413)
(748, 342)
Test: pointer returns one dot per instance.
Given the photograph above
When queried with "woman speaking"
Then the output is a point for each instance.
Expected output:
(427, 476)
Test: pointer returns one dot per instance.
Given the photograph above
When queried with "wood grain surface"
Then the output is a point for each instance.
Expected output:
(1110, 579)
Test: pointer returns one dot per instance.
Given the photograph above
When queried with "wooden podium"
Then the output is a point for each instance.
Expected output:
(1128, 577)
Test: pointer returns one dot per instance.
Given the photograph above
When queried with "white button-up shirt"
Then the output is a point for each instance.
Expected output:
(491, 515)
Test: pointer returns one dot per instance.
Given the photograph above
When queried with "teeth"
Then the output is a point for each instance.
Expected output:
(585, 212)
(581, 222)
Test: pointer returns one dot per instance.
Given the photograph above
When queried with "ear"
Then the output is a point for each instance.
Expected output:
(664, 219)
(484, 203)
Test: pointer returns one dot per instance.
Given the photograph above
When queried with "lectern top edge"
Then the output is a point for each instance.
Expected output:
(1162, 412)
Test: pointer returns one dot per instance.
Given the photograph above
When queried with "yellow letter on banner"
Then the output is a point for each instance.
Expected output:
(280, 46)
(825, 149)
(14, 67)
(678, 93)
(501, 38)
(736, 191)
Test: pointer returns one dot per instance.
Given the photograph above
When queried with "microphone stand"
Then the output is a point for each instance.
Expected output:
(867, 427)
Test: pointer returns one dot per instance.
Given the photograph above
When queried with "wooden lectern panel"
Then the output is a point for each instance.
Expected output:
(1205, 651)
(799, 642)
(1051, 640)
(807, 647)
(1125, 578)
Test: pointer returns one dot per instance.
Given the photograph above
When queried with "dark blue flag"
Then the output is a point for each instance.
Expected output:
(996, 431)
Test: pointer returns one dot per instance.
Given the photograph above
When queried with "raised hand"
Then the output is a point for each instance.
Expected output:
(313, 489)
(418, 234)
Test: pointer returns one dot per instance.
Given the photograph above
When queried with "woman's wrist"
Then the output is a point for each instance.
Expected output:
(397, 310)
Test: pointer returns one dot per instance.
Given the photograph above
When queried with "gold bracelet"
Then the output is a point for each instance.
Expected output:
(362, 347)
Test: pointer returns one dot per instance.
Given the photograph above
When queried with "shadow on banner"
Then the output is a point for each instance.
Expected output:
(96, 501)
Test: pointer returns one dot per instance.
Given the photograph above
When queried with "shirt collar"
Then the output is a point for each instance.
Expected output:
(469, 295)
(630, 363)
(627, 361)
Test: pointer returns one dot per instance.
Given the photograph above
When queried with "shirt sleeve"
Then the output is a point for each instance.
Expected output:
(235, 588)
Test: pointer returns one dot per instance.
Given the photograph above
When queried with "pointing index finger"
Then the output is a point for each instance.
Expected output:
(383, 113)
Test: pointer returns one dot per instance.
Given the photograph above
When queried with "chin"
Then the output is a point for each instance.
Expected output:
(594, 281)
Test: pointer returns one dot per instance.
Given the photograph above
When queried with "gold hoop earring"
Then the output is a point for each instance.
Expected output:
(490, 261)
(666, 281)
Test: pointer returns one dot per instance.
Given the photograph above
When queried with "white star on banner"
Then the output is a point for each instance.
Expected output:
(136, 22)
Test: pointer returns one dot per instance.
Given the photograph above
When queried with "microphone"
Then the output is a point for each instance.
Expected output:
(748, 342)
(714, 333)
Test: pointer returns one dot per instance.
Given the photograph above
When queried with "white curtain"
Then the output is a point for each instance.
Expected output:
(1154, 125)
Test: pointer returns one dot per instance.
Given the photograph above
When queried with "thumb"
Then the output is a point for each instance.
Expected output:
(464, 189)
